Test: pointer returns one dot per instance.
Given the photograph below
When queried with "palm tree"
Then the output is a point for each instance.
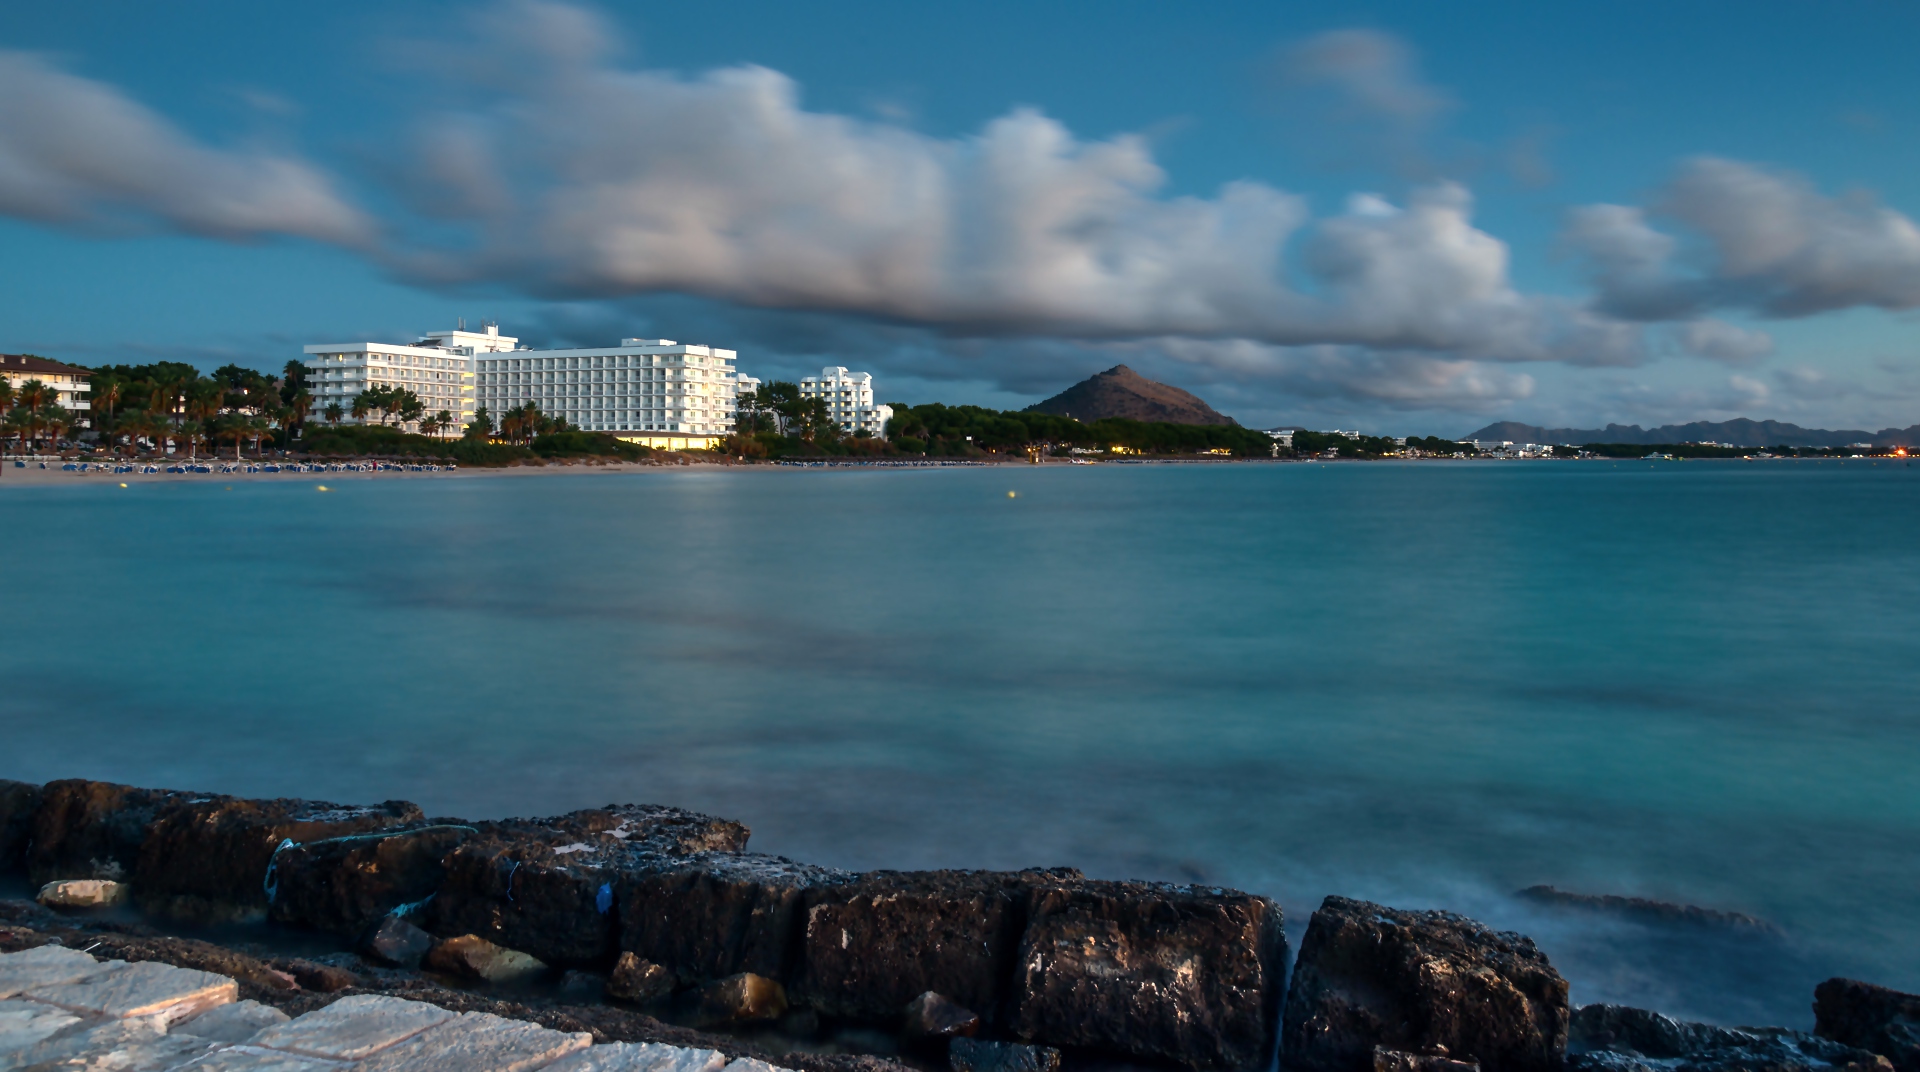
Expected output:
(258, 428)
(55, 419)
(204, 398)
(408, 406)
(237, 427)
(334, 413)
(191, 431)
(299, 406)
(6, 393)
(482, 425)
(430, 425)
(133, 424)
(363, 403)
(19, 424)
(107, 391)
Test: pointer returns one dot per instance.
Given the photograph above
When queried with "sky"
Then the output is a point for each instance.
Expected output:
(1410, 218)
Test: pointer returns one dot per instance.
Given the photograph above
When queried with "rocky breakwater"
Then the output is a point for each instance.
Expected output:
(1178, 976)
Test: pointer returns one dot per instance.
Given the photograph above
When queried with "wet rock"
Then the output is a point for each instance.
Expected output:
(1886, 1022)
(975, 1055)
(743, 999)
(639, 981)
(312, 975)
(207, 860)
(1749, 1049)
(1186, 974)
(82, 893)
(550, 885)
(873, 944)
(933, 1016)
(1369, 976)
(473, 957)
(719, 914)
(18, 802)
(86, 829)
(345, 887)
(1650, 1034)
(396, 943)
(1385, 1060)
(1642, 910)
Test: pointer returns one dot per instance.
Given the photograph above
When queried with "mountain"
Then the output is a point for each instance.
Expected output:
(1740, 432)
(1122, 392)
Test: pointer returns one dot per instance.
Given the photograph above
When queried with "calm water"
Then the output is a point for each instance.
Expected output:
(1428, 685)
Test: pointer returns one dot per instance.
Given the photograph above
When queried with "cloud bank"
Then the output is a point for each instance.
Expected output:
(567, 176)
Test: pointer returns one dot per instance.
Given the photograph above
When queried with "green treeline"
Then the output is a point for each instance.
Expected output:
(938, 429)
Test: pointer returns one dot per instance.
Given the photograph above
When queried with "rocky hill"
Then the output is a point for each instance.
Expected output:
(1122, 392)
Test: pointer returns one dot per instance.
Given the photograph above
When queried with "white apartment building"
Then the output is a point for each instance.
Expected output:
(743, 383)
(849, 397)
(656, 392)
(69, 384)
(439, 368)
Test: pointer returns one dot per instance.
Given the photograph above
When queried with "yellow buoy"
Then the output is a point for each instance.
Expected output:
(123, 485)
(323, 487)
(1010, 495)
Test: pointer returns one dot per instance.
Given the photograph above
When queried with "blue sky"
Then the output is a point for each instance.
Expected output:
(1407, 217)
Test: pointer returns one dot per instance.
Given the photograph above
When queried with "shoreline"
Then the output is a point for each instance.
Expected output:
(601, 913)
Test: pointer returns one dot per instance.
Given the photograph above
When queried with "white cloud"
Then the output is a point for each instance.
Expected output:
(1768, 242)
(1375, 73)
(75, 152)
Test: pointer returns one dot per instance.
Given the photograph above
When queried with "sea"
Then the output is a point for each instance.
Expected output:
(1426, 684)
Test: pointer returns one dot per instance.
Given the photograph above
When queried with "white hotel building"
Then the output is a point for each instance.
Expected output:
(651, 391)
(849, 397)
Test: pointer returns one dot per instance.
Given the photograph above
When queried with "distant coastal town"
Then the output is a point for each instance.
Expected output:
(480, 399)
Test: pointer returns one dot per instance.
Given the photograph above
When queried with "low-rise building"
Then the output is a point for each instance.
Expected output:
(69, 384)
(849, 398)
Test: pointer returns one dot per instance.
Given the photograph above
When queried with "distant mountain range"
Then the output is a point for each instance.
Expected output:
(1122, 392)
(1741, 433)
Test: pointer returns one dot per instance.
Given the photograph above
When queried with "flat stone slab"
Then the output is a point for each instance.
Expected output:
(24, 1024)
(255, 1059)
(353, 1027)
(640, 1057)
(144, 989)
(45, 966)
(478, 1042)
(136, 1044)
(237, 1022)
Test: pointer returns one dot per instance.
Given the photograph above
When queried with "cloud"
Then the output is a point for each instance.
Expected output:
(1718, 340)
(1360, 99)
(77, 153)
(1758, 239)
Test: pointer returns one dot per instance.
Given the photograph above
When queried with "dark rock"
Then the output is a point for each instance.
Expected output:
(933, 1016)
(1369, 976)
(1385, 1060)
(550, 886)
(743, 999)
(1870, 1017)
(208, 860)
(311, 975)
(86, 829)
(18, 802)
(719, 914)
(396, 943)
(873, 944)
(473, 957)
(1648, 1034)
(975, 1055)
(343, 887)
(1186, 974)
(639, 981)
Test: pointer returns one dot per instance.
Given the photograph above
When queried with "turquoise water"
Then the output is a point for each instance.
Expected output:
(1426, 684)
